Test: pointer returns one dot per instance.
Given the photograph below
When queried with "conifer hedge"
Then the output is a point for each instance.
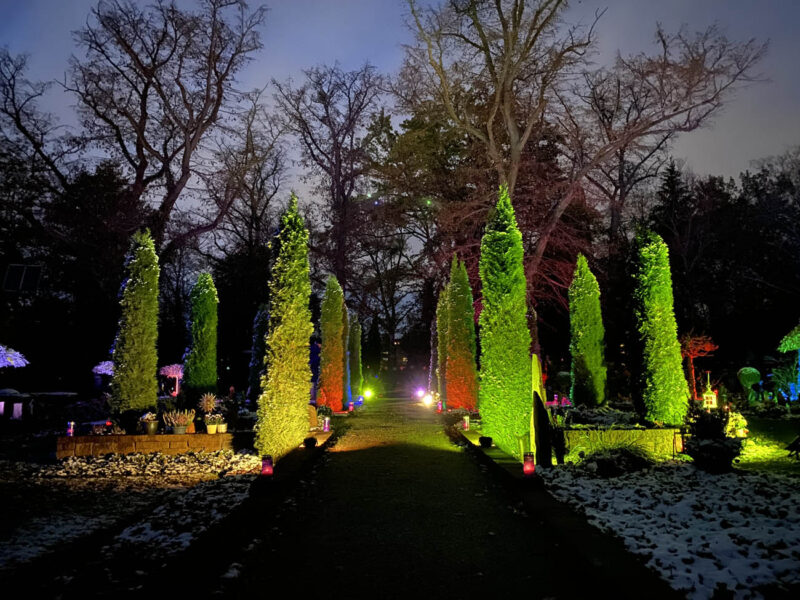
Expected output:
(332, 357)
(283, 405)
(346, 394)
(200, 366)
(356, 375)
(504, 398)
(587, 338)
(664, 391)
(134, 385)
(462, 374)
(441, 343)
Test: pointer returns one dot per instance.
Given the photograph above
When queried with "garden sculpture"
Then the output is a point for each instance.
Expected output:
(748, 377)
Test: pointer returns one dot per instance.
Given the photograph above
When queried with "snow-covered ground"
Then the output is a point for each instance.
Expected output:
(169, 496)
(696, 529)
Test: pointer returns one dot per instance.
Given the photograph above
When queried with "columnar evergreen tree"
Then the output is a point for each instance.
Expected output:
(201, 363)
(504, 398)
(462, 374)
(134, 385)
(356, 375)
(664, 392)
(441, 337)
(332, 357)
(282, 407)
(258, 353)
(346, 394)
(587, 338)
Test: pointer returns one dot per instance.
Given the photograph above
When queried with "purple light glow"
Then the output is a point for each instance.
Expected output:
(11, 358)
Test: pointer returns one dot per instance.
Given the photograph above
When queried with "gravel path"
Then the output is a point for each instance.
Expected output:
(397, 509)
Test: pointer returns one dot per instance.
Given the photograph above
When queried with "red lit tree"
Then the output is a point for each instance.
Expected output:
(695, 346)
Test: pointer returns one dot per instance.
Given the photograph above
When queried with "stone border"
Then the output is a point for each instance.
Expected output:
(100, 445)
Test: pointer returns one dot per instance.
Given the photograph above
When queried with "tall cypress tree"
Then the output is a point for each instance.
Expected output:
(201, 362)
(134, 385)
(282, 407)
(587, 338)
(441, 337)
(505, 373)
(332, 357)
(258, 353)
(664, 391)
(346, 393)
(462, 374)
(356, 376)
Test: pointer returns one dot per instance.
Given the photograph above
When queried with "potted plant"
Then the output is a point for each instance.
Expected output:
(709, 445)
(149, 422)
(178, 420)
(213, 421)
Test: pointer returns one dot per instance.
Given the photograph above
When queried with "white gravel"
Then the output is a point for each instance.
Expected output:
(697, 530)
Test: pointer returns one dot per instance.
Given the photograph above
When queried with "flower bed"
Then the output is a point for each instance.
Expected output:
(99, 445)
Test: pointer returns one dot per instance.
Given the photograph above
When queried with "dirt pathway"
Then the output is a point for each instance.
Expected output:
(398, 509)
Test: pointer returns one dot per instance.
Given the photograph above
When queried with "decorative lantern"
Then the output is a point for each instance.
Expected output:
(70, 428)
(439, 406)
(326, 424)
(465, 423)
(350, 406)
(266, 465)
(528, 464)
(709, 396)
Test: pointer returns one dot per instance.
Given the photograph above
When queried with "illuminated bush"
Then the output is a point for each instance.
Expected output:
(332, 357)
(441, 343)
(134, 385)
(283, 405)
(664, 392)
(504, 398)
(587, 338)
(356, 376)
(462, 375)
(201, 362)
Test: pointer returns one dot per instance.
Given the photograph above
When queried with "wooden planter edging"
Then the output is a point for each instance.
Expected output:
(99, 445)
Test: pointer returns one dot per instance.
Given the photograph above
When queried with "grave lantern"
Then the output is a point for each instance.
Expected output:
(326, 424)
(528, 464)
(465, 423)
(350, 406)
(266, 465)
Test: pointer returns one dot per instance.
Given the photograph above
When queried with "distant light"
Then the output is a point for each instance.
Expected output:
(427, 400)
(420, 392)
(428, 202)
(326, 424)
(465, 423)
(70, 428)
(108, 423)
(367, 393)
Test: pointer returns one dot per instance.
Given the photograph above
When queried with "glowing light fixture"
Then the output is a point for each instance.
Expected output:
(420, 392)
(709, 396)
(350, 406)
(367, 394)
(427, 400)
(439, 406)
(326, 424)
(267, 468)
(528, 464)
(465, 423)
(70, 428)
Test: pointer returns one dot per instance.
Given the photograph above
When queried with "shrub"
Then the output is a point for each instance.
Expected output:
(587, 338)
(505, 370)
(709, 445)
(613, 462)
(134, 385)
(282, 414)
(665, 393)
(356, 374)
(462, 375)
(201, 361)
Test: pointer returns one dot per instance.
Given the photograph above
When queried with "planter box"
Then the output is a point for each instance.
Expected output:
(99, 445)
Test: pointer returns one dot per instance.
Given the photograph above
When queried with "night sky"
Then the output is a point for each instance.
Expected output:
(763, 120)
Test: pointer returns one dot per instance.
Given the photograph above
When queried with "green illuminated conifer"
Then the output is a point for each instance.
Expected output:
(587, 338)
(665, 393)
(134, 385)
(283, 405)
(332, 356)
(462, 375)
(505, 371)
(201, 363)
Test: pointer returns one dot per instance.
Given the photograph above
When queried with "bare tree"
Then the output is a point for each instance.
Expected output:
(329, 115)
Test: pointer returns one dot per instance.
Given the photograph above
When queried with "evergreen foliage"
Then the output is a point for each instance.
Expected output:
(346, 394)
(258, 352)
(356, 375)
(373, 348)
(332, 357)
(505, 371)
(283, 405)
(201, 362)
(462, 374)
(664, 391)
(587, 338)
(441, 341)
(134, 385)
